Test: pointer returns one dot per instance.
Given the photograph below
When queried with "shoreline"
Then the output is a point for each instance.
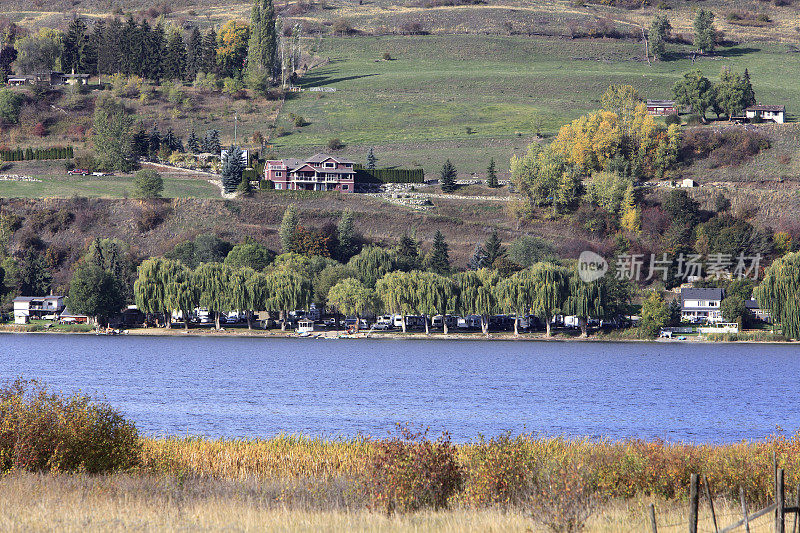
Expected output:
(341, 335)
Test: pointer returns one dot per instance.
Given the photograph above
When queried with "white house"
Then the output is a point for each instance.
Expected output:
(28, 307)
(774, 113)
(701, 305)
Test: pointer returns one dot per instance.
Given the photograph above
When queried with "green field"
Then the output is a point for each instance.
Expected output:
(102, 187)
(417, 107)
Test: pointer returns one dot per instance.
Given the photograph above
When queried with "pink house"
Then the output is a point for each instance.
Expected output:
(320, 172)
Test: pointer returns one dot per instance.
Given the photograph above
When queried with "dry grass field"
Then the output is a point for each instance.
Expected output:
(78, 503)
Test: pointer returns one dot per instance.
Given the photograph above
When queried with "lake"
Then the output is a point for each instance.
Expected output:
(254, 387)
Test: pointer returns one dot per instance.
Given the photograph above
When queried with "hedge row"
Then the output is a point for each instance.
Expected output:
(37, 154)
(389, 175)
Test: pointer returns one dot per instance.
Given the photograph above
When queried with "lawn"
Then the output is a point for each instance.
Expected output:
(103, 187)
(471, 97)
(56, 183)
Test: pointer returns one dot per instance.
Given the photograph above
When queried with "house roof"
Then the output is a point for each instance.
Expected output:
(702, 294)
(319, 158)
(773, 108)
(752, 304)
(32, 298)
(665, 103)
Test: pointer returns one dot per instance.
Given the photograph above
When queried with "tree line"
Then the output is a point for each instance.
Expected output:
(357, 280)
(152, 51)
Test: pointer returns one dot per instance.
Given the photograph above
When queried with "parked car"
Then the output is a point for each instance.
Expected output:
(382, 326)
(78, 172)
(50, 317)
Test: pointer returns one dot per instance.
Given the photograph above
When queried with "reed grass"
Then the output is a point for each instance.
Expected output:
(613, 469)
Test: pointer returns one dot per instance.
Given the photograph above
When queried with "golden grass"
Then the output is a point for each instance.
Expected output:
(73, 503)
(623, 469)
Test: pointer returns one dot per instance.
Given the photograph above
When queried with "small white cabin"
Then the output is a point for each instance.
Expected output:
(305, 326)
(772, 113)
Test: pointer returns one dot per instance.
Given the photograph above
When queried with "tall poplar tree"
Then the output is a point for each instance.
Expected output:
(263, 45)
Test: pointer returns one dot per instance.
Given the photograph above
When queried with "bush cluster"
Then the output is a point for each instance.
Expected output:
(724, 148)
(45, 431)
(410, 472)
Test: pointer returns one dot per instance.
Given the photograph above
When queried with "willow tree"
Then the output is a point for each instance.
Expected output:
(289, 290)
(351, 297)
(585, 300)
(550, 291)
(780, 293)
(150, 288)
(241, 297)
(398, 292)
(182, 293)
(213, 282)
(516, 294)
(436, 294)
(371, 264)
(478, 294)
(259, 289)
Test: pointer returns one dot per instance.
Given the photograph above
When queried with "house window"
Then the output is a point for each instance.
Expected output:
(345, 187)
(330, 165)
(279, 185)
(279, 173)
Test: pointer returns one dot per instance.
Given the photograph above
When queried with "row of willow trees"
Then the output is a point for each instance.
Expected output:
(543, 290)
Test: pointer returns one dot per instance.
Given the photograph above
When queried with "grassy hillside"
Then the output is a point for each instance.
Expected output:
(548, 17)
(417, 108)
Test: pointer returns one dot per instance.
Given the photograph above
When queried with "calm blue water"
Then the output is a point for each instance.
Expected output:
(261, 387)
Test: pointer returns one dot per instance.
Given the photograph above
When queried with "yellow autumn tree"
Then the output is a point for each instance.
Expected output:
(631, 214)
(589, 141)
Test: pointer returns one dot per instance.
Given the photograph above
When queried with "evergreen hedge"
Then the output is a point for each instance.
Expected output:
(37, 154)
(389, 175)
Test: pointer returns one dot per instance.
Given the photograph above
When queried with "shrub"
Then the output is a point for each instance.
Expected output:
(499, 472)
(297, 120)
(150, 216)
(10, 105)
(54, 220)
(148, 184)
(42, 431)
(387, 56)
(672, 119)
(562, 499)
(410, 472)
(343, 27)
(730, 147)
(335, 144)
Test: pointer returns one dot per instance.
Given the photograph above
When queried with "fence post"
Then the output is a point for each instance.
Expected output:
(710, 503)
(652, 512)
(797, 505)
(693, 501)
(744, 510)
(780, 523)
